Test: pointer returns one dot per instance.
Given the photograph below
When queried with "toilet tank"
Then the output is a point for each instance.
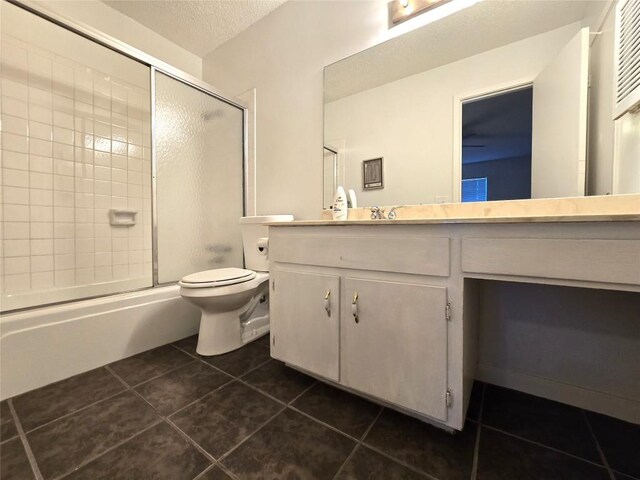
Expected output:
(253, 231)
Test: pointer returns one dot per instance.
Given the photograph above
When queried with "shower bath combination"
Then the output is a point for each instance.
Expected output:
(93, 128)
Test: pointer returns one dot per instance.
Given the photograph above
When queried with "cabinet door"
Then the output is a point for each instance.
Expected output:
(397, 349)
(303, 332)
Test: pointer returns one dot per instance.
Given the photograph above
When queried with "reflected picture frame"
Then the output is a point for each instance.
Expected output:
(372, 174)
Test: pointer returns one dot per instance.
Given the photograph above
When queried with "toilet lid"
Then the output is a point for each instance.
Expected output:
(220, 276)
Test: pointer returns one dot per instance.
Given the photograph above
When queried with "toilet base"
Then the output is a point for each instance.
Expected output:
(219, 333)
(223, 332)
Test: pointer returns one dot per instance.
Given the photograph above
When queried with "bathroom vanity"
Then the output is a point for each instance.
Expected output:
(388, 308)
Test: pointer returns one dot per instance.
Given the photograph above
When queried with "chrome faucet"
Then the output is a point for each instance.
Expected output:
(392, 215)
(377, 213)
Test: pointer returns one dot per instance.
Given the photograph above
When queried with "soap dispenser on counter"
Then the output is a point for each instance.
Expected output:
(340, 205)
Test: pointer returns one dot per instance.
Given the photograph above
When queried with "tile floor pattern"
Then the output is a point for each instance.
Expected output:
(168, 413)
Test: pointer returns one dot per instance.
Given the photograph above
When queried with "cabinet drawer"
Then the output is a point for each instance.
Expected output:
(422, 256)
(609, 261)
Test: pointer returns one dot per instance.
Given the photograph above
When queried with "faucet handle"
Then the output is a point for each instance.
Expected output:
(377, 213)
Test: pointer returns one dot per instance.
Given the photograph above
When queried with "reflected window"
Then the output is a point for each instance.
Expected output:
(474, 190)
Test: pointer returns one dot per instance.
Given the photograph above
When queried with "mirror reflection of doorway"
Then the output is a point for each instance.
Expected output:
(496, 146)
(330, 175)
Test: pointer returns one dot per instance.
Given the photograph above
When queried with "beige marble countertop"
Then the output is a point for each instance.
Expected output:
(427, 221)
(610, 208)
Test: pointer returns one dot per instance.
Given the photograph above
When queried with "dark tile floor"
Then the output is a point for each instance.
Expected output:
(168, 413)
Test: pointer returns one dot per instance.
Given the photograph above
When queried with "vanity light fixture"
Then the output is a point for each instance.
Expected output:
(407, 15)
(402, 10)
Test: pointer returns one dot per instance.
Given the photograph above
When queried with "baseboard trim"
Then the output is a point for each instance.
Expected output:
(619, 407)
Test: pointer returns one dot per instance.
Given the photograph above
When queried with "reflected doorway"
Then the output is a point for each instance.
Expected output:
(330, 175)
(496, 146)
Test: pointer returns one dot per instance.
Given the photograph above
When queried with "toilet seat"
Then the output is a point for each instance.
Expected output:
(217, 277)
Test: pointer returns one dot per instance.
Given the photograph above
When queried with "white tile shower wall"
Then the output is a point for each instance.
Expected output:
(75, 143)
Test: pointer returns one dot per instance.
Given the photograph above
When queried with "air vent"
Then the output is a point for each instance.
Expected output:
(627, 58)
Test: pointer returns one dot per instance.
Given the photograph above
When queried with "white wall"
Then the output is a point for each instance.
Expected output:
(626, 167)
(100, 16)
(601, 131)
(283, 56)
(613, 146)
(546, 335)
(409, 121)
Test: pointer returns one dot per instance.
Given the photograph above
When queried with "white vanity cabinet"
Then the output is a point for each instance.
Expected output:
(308, 308)
(406, 312)
(393, 343)
(368, 313)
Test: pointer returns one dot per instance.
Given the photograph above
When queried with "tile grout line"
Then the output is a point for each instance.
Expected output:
(25, 443)
(168, 421)
(240, 379)
(211, 467)
(183, 350)
(358, 443)
(202, 359)
(181, 409)
(118, 377)
(227, 471)
(155, 377)
(295, 409)
(196, 445)
(132, 389)
(600, 451)
(96, 457)
(254, 368)
(385, 454)
(224, 456)
(165, 419)
(127, 387)
(315, 382)
(324, 424)
(362, 441)
(476, 450)
(543, 445)
(81, 409)
(271, 397)
(401, 462)
(191, 441)
(285, 407)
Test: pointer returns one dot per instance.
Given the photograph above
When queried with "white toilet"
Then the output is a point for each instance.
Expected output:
(234, 301)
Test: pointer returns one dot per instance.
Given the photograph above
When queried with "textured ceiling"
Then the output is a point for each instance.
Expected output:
(484, 26)
(198, 26)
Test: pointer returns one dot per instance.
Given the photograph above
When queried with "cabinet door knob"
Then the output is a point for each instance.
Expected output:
(327, 303)
(354, 307)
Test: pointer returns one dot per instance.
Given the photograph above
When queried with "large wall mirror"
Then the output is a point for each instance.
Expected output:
(502, 100)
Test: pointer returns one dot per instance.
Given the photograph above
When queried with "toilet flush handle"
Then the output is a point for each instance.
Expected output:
(327, 303)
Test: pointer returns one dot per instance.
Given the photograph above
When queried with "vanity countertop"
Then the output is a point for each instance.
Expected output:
(611, 208)
(426, 221)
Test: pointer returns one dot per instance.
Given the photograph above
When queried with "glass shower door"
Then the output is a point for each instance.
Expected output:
(199, 180)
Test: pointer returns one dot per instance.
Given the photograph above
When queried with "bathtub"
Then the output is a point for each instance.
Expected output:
(44, 345)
